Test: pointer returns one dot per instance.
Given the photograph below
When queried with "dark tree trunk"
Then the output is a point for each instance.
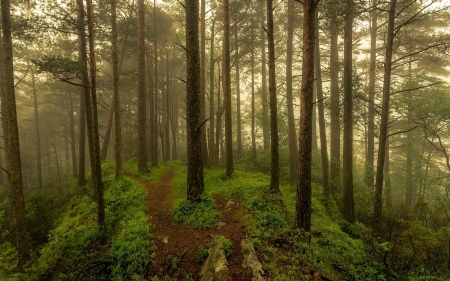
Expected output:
(82, 58)
(253, 92)
(292, 135)
(229, 170)
(220, 111)
(335, 130)
(166, 116)
(195, 183)
(379, 179)
(174, 125)
(38, 133)
(104, 149)
(116, 99)
(265, 119)
(303, 197)
(142, 128)
(371, 103)
(13, 160)
(92, 123)
(347, 157)
(203, 78)
(72, 140)
(275, 161)
(212, 159)
(387, 178)
(154, 119)
(322, 129)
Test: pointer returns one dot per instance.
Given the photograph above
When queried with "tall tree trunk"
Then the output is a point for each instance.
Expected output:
(275, 161)
(347, 157)
(174, 126)
(303, 197)
(58, 172)
(371, 104)
(4, 119)
(104, 148)
(292, 135)
(220, 110)
(13, 160)
(409, 173)
(387, 178)
(265, 117)
(378, 199)
(212, 159)
(335, 126)
(203, 78)
(82, 58)
(38, 133)
(154, 119)
(195, 182)
(229, 170)
(116, 99)
(167, 113)
(72, 139)
(238, 93)
(322, 129)
(253, 91)
(142, 124)
(92, 124)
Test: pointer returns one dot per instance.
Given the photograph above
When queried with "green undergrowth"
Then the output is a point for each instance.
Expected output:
(199, 215)
(289, 254)
(155, 173)
(74, 251)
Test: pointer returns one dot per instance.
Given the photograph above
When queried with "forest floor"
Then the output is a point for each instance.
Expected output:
(177, 246)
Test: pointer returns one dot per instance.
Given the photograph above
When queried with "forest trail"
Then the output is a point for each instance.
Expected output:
(178, 246)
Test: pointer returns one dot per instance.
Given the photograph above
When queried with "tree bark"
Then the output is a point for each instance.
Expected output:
(72, 139)
(92, 123)
(347, 157)
(387, 178)
(229, 170)
(142, 124)
(212, 159)
(379, 179)
(371, 103)
(154, 119)
(265, 117)
(303, 197)
(116, 99)
(335, 129)
(238, 93)
(13, 160)
(253, 92)
(292, 135)
(195, 182)
(38, 133)
(203, 78)
(275, 161)
(322, 129)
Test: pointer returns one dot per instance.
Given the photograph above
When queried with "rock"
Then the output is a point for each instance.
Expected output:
(229, 204)
(221, 224)
(165, 239)
(250, 260)
(216, 265)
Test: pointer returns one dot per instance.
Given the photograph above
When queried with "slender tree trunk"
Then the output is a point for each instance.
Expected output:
(220, 111)
(335, 130)
(72, 139)
(238, 94)
(292, 135)
(13, 160)
(409, 174)
(167, 113)
(275, 161)
(104, 149)
(82, 58)
(174, 126)
(265, 125)
(322, 129)
(195, 182)
(92, 124)
(4, 119)
(203, 78)
(378, 199)
(142, 128)
(116, 99)
(387, 178)
(212, 159)
(371, 106)
(253, 92)
(348, 200)
(38, 133)
(58, 172)
(303, 197)
(227, 91)
(154, 120)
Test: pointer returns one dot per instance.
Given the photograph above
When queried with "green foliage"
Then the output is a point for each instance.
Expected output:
(200, 215)
(202, 254)
(74, 251)
(224, 244)
(60, 68)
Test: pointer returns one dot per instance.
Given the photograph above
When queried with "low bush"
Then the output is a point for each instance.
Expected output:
(200, 215)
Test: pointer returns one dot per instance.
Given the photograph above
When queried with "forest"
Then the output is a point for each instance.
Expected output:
(225, 140)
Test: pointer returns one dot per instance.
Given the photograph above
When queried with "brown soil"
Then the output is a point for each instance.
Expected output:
(184, 242)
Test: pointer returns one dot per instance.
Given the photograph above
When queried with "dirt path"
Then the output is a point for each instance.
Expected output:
(175, 240)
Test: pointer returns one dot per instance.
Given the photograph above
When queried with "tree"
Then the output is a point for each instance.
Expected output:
(347, 167)
(212, 158)
(275, 162)
(292, 135)
(142, 131)
(38, 133)
(195, 182)
(13, 157)
(303, 197)
(226, 85)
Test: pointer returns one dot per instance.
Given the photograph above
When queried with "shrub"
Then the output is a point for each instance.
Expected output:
(200, 215)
